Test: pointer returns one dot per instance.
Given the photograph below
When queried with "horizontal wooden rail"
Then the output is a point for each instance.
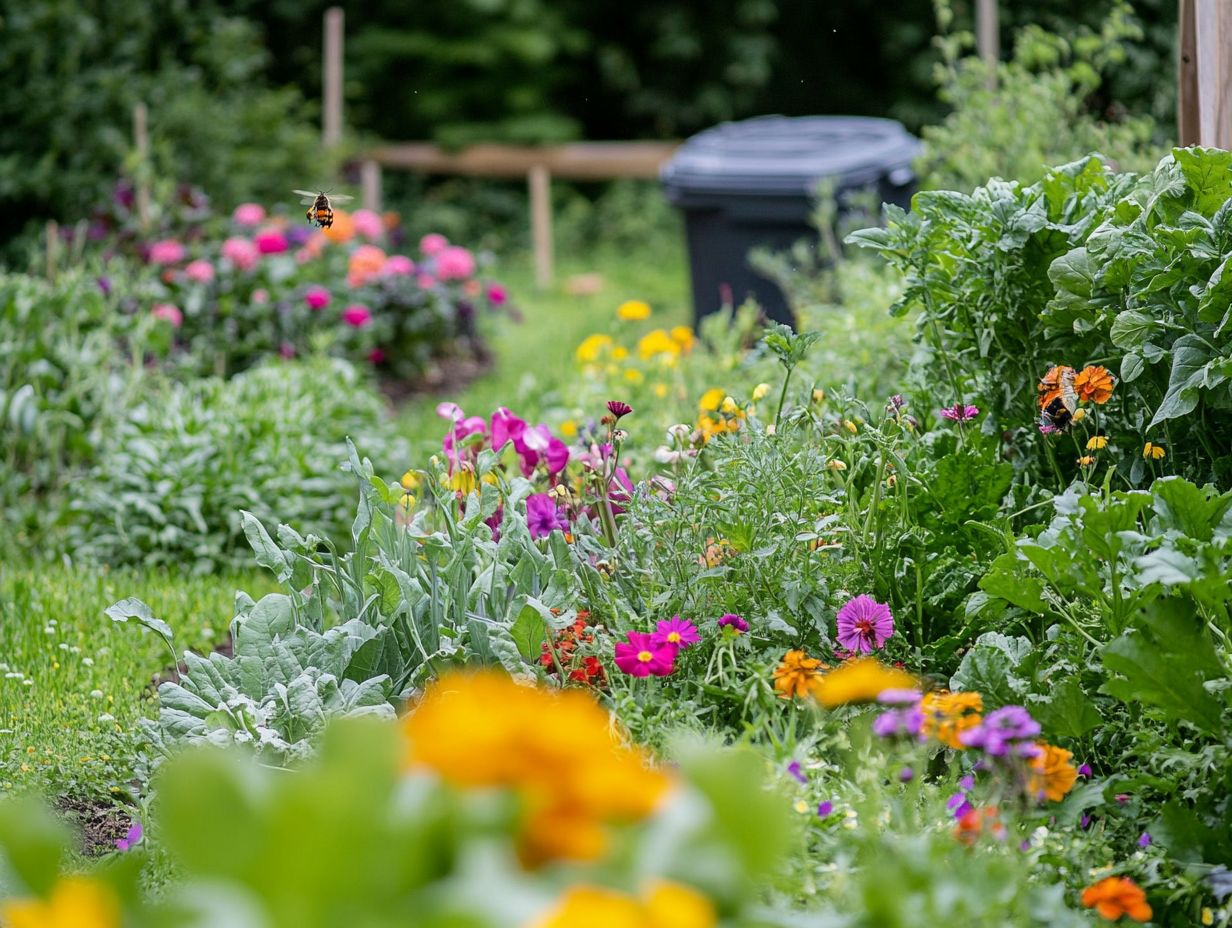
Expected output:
(572, 161)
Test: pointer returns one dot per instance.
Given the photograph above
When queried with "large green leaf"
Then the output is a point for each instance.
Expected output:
(1190, 354)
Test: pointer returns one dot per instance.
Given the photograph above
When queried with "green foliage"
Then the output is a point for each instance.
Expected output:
(172, 476)
(1033, 110)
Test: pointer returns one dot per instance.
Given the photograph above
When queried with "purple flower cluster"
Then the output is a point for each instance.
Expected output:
(1006, 732)
(905, 720)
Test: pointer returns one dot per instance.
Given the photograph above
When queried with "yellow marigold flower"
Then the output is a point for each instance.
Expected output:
(836, 464)
(555, 750)
(410, 480)
(592, 347)
(1153, 452)
(568, 428)
(711, 399)
(1093, 385)
(1097, 442)
(683, 336)
(760, 391)
(1086, 460)
(664, 905)
(660, 390)
(633, 375)
(75, 902)
(1052, 773)
(947, 715)
(860, 680)
(656, 342)
(633, 310)
(619, 353)
(795, 675)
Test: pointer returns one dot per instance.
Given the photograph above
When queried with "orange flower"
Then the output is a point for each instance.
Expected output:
(976, 822)
(343, 228)
(795, 676)
(1115, 896)
(1093, 385)
(1052, 774)
(948, 715)
(366, 262)
(1052, 384)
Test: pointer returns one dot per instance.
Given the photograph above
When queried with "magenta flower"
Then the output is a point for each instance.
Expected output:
(825, 808)
(357, 316)
(168, 313)
(131, 839)
(506, 427)
(200, 271)
(271, 242)
(399, 265)
(543, 517)
(316, 297)
(454, 263)
(287, 350)
(248, 214)
(433, 244)
(368, 224)
(1084, 771)
(677, 632)
(734, 622)
(864, 624)
(376, 356)
(618, 409)
(461, 429)
(167, 251)
(240, 252)
(641, 657)
(497, 295)
(959, 413)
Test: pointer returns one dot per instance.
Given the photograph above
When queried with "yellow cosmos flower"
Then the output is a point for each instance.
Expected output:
(860, 680)
(729, 406)
(1153, 452)
(711, 399)
(556, 750)
(633, 310)
(664, 905)
(592, 348)
(75, 902)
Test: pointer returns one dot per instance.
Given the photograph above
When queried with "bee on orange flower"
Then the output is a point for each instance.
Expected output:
(320, 210)
(1058, 398)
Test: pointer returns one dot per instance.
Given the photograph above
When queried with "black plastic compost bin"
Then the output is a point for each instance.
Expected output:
(754, 183)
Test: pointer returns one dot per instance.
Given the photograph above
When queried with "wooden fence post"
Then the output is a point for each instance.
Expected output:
(988, 38)
(1187, 125)
(540, 182)
(1212, 33)
(141, 140)
(370, 184)
(331, 89)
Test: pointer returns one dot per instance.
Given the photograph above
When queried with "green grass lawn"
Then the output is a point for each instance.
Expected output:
(73, 684)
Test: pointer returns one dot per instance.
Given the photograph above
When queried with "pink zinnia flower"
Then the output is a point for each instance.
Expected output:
(497, 295)
(316, 297)
(200, 270)
(241, 252)
(641, 657)
(399, 264)
(454, 263)
(168, 251)
(368, 224)
(864, 624)
(271, 242)
(248, 214)
(168, 313)
(959, 413)
(357, 316)
(433, 243)
(677, 632)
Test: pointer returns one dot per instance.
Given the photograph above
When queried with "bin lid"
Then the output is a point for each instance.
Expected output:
(787, 156)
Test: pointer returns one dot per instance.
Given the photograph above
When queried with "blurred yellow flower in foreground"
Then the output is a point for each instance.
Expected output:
(633, 310)
(860, 680)
(555, 749)
(665, 905)
(711, 399)
(592, 347)
(75, 902)
(655, 343)
(683, 336)
(947, 715)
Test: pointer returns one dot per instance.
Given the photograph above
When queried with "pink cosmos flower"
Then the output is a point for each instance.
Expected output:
(200, 271)
(168, 313)
(167, 251)
(641, 657)
(357, 315)
(368, 224)
(959, 413)
(497, 295)
(271, 242)
(454, 263)
(241, 252)
(864, 624)
(399, 265)
(543, 516)
(316, 297)
(433, 243)
(248, 214)
(677, 632)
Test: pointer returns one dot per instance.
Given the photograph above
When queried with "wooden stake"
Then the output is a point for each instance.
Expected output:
(1187, 76)
(370, 185)
(1213, 32)
(540, 182)
(331, 108)
(141, 139)
(988, 38)
(53, 247)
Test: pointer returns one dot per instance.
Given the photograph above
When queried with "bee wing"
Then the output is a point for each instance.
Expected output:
(308, 195)
(341, 198)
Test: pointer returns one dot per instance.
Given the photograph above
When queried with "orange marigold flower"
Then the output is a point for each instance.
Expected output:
(795, 675)
(1093, 384)
(1052, 773)
(947, 715)
(1115, 896)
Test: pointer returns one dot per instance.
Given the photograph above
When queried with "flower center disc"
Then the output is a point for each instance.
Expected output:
(645, 656)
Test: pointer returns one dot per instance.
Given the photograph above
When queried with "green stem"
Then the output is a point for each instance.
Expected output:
(778, 415)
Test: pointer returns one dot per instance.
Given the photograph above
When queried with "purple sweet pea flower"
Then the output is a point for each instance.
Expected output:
(958, 805)
(132, 839)
(506, 427)
(1085, 771)
(542, 516)
(825, 808)
(899, 722)
(1085, 821)
(967, 782)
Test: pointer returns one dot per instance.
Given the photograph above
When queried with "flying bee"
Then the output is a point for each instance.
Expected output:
(320, 211)
(1058, 398)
